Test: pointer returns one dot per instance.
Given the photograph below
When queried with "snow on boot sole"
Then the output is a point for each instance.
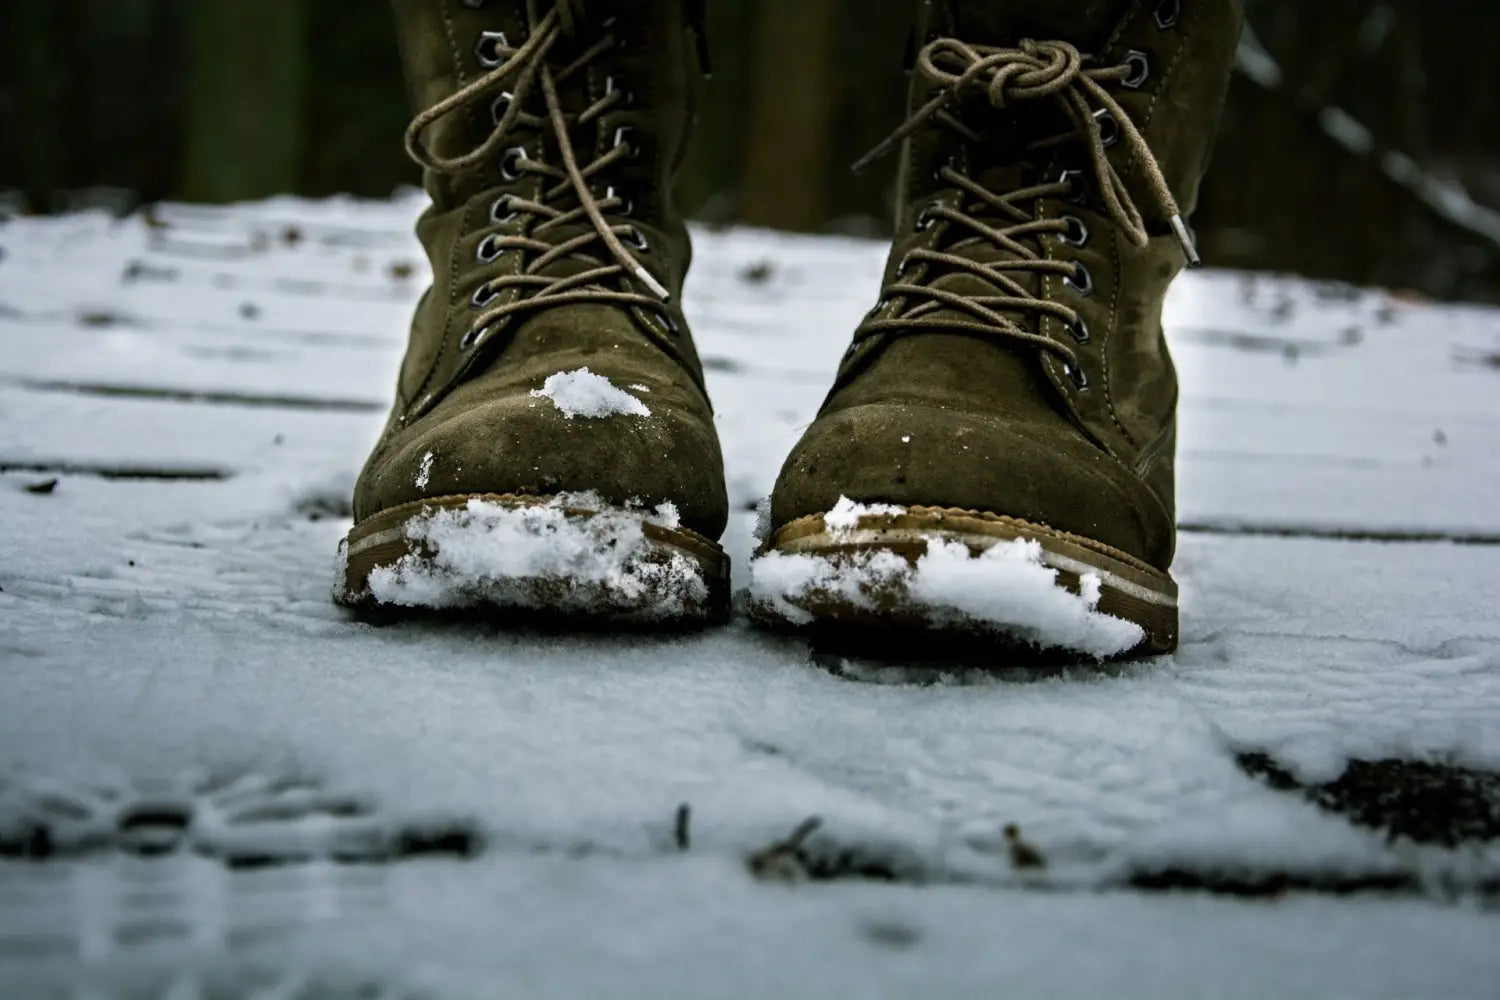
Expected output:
(919, 569)
(566, 557)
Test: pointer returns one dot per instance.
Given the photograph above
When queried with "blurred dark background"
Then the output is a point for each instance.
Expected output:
(1360, 142)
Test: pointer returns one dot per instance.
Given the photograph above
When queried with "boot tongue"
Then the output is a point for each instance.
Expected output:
(1085, 23)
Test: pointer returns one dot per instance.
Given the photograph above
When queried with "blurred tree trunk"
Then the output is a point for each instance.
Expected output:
(246, 91)
(709, 182)
(33, 154)
(791, 108)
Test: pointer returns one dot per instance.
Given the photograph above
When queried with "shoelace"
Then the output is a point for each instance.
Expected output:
(529, 68)
(1009, 77)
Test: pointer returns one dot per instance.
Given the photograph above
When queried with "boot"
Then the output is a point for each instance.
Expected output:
(551, 445)
(996, 455)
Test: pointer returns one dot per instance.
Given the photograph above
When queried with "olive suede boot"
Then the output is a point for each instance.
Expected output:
(996, 456)
(551, 446)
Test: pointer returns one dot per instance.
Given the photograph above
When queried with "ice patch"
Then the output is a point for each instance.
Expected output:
(666, 515)
(762, 530)
(846, 513)
(1006, 588)
(543, 556)
(341, 572)
(424, 472)
(581, 393)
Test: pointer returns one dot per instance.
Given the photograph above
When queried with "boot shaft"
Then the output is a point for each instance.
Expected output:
(449, 44)
(550, 131)
(1182, 52)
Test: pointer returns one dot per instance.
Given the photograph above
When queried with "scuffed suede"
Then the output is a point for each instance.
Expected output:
(471, 408)
(984, 422)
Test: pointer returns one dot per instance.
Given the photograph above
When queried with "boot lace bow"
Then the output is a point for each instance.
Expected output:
(1009, 78)
(512, 85)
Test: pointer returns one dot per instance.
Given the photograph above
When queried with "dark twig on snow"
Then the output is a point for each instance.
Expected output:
(783, 861)
(680, 833)
(1022, 854)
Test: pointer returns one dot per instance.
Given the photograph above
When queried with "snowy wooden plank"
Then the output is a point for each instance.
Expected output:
(154, 630)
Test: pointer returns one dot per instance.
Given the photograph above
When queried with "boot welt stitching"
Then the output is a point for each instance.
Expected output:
(402, 513)
(1035, 527)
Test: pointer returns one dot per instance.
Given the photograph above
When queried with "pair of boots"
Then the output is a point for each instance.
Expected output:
(996, 454)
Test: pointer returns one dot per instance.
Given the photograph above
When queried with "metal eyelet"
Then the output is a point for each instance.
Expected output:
(1109, 129)
(925, 219)
(627, 96)
(669, 323)
(1077, 234)
(625, 136)
(1080, 331)
(878, 308)
(499, 106)
(470, 339)
(1167, 13)
(635, 238)
(483, 296)
(488, 250)
(1140, 69)
(510, 163)
(487, 49)
(951, 163)
(1076, 376)
(1081, 281)
(500, 212)
(626, 206)
(1077, 184)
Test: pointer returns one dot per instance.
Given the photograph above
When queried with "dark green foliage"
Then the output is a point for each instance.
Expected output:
(223, 99)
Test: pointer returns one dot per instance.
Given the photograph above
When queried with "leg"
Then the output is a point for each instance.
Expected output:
(1009, 402)
(551, 446)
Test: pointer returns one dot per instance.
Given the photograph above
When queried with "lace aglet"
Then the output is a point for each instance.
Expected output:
(1189, 248)
(656, 287)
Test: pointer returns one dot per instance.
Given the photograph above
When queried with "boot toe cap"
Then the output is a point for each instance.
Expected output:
(913, 455)
(514, 442)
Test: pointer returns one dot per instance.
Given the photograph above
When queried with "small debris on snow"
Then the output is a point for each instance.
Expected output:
(681, 835)
(581, 393)
(424, 472)
(43, 488)
(543, 556)
(1022, 854)
(783, 860)
(1006, 588)
(757, 273)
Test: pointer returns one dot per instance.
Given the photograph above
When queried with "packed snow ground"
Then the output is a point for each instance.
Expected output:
(446, 807)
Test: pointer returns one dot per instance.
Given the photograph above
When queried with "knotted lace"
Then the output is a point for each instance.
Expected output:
(524, 70)
(1009, 78)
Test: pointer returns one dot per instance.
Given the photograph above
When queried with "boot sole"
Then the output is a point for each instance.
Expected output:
(844, 601)
(392, 566)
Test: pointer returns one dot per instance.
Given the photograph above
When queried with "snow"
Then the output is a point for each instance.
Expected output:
(487, 552)
(154, 629)
(424, 472)
(846, 513)
(1006, 588)
(581, 393)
